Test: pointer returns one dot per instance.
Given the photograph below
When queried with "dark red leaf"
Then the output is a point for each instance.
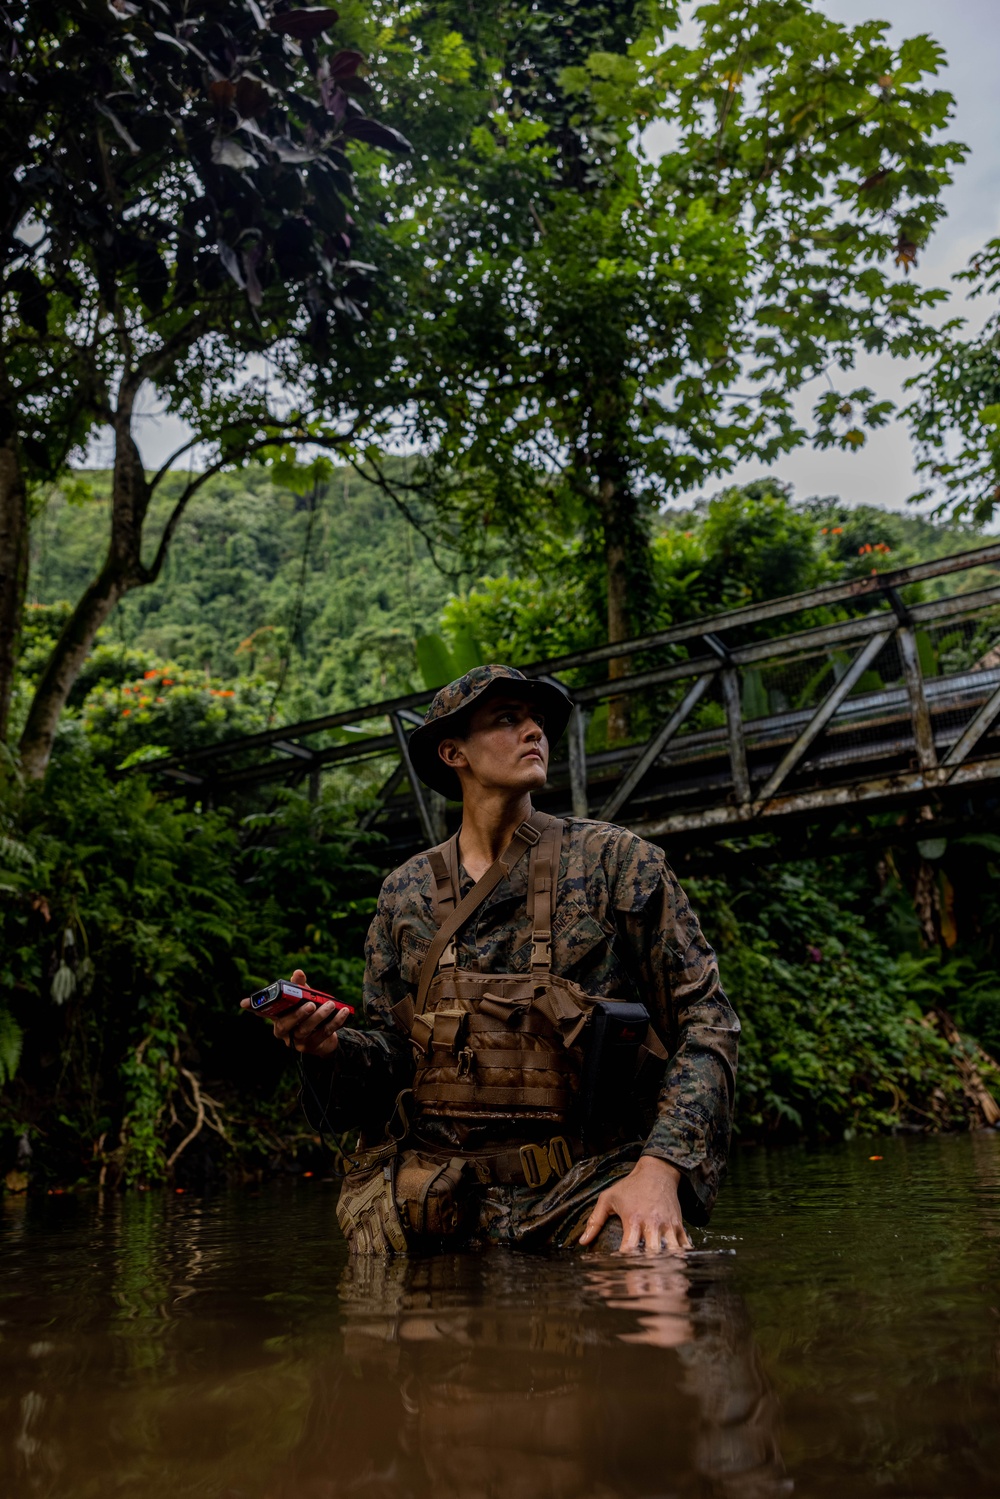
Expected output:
(345, 64)
(252, 97)
(222, 93)
(303, 25)
(374, 133)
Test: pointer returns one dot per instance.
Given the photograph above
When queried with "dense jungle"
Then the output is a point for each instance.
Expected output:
(133, 920)
(466, 314)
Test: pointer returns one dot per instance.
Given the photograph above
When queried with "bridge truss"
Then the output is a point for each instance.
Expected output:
(822, 706)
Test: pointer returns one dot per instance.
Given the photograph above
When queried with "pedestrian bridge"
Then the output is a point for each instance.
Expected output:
(799, 714)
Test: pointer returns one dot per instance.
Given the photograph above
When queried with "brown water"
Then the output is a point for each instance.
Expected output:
(836, 1333)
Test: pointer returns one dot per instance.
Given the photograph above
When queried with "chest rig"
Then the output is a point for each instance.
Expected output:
(497, 1048)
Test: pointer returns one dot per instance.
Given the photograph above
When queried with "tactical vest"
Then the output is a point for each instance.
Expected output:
(504, 1050)
(498, 1048)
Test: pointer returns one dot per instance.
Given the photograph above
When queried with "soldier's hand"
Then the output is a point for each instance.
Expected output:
(646, 1202)
(311, 1029)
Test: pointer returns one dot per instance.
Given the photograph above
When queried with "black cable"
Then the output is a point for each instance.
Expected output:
(306, 1083)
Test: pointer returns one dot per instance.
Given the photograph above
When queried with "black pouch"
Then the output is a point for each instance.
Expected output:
(616, 1045)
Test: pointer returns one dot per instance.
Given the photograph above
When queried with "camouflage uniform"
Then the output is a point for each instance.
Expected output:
(623, 929)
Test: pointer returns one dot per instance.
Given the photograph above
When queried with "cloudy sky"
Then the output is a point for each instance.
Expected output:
(882, 472)
(969, 30)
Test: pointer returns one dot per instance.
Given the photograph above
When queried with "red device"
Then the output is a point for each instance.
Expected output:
(280, 997)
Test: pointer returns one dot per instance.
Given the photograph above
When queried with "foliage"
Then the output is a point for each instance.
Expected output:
(608, 317)
(170, 710)
(832, 1033)
(202, 213)
(133, 929)
(176, 198)
(955, 415)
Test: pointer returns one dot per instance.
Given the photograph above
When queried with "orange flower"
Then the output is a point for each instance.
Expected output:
(126, 712)
(148, 676)
(227, 692)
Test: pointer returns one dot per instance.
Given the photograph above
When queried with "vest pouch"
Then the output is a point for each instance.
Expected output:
(619, 1040)
(433, 1197)
(500, 1048)
(366, 1208)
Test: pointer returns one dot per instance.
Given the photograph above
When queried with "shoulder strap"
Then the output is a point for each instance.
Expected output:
(444, 896)
(526, 837)
(543, 884)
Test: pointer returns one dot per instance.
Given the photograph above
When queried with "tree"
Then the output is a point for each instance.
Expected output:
(955, 416)
(176, 212)
(606, 324)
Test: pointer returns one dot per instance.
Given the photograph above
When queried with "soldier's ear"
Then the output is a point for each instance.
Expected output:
(451, 752)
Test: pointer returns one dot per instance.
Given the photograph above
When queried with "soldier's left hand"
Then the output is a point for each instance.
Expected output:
(647, 1204)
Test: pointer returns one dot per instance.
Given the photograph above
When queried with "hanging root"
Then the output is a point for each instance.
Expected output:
(966, 1060)
(205, 1110)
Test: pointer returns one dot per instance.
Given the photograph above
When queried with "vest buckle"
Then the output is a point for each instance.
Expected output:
(541, 953)
(540, 1162)
(466, 1061)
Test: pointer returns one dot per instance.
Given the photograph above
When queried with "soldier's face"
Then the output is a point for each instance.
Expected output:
(504, 749)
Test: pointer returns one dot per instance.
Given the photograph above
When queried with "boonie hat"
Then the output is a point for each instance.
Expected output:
(461, 694)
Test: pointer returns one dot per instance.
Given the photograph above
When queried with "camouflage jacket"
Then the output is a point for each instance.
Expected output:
(622, 928)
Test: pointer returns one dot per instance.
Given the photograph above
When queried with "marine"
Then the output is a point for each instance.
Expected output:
(493, 965)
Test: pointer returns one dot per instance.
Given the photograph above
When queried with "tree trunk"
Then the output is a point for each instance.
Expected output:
(617, 563)
(122, 570)
(13, 572)
(62, 669)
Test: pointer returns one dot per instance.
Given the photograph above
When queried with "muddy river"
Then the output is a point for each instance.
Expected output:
(836, 1332)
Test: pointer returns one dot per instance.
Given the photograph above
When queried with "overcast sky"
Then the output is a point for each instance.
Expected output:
(882, 472)
(969, 30)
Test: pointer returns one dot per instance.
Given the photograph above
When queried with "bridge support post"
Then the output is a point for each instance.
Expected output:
(923, 730)
(430, 804)
(576, 731)
(734, 724)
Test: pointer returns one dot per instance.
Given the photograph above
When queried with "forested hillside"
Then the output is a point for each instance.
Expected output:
(305, 602)
(323, 591)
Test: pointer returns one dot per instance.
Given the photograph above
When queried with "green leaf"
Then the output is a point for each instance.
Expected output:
(435, 662)
(466, 652)
(11, 1041)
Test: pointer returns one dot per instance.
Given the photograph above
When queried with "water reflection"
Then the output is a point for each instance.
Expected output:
(548, 1379)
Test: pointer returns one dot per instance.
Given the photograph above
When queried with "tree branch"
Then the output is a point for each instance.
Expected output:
(387, 487)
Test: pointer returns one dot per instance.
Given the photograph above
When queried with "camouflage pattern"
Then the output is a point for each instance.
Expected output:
(623, 929)
(461, 694)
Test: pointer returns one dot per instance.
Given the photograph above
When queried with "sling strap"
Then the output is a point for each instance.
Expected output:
(526, 837)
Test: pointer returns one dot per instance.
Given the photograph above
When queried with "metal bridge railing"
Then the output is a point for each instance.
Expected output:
(737, 719)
